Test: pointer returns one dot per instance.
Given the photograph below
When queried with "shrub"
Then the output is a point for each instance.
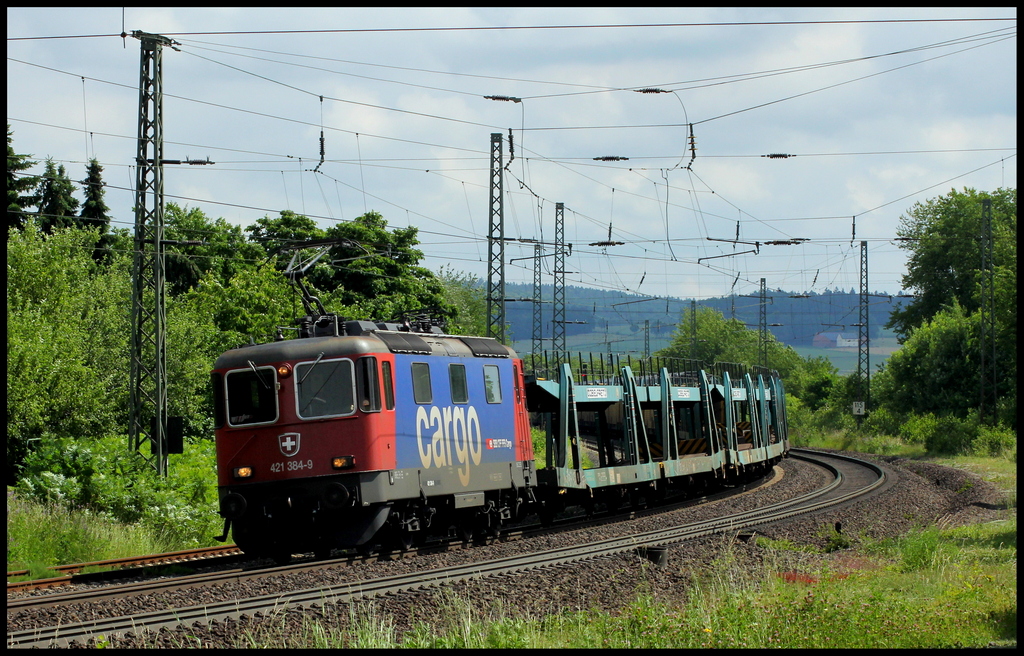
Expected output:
(885, 421)
(955, 436)
(995, 441)
(104, 476)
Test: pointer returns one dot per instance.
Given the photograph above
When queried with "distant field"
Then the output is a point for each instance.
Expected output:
(844, 359)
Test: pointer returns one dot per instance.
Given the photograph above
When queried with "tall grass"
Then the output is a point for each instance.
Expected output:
(42, 535)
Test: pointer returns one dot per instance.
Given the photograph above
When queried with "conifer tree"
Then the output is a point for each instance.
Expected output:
(94, 210)
(57, 206)
(20, 188)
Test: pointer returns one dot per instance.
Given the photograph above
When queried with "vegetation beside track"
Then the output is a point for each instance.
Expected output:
(935, 588)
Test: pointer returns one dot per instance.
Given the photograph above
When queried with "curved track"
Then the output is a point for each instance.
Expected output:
(851, 479)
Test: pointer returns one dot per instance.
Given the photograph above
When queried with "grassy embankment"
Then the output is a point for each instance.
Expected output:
(932, 588)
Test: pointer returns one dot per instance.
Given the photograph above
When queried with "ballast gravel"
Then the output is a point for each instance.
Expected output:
(920, 494)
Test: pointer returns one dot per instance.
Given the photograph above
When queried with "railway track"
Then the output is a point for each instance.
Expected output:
(108, 570)
(851, 478)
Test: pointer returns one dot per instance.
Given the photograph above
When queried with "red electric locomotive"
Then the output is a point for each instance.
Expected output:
(360, 432)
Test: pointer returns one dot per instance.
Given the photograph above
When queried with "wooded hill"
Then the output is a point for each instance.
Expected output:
(600, 313)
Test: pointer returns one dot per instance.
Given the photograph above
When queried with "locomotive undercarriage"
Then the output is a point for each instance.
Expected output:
(367, 511)
(411, 522)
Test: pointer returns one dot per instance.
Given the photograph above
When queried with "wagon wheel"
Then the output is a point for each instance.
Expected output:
(612, 501)
(547, 514)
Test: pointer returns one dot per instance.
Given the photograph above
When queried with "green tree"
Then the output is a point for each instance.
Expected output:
(251, 305)
(721, 340)
(377, 271)
(57, 204)
(67, 340)
(223, 251)
(942, 237)
(466, 294)
(95, 214)
(94, 210)
(937, 371)
(287, 230)
(813, 382)
(727, 340)
(20, 187)
(943, 324)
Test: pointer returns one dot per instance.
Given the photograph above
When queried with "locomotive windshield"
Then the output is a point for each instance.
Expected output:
(251, 396)
(325, 388)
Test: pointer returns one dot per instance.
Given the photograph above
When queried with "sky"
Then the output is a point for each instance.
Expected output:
(876, 108)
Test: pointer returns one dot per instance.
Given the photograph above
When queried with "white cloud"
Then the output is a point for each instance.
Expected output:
(960, 102)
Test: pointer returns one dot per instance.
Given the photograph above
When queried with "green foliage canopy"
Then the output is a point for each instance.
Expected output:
(727, 340)
(943, 239)
(937, 370)
(67, 339)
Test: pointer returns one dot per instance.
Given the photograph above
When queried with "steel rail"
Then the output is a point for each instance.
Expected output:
(809, 503)
(124, 566)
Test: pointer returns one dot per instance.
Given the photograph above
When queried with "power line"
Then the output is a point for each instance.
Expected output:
(481, 155)
(400, 68)
(342, 100)
(856, 79)
(746, 77)
(539, 27)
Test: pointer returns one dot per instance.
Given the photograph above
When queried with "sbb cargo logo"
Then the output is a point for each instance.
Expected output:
(449, 437)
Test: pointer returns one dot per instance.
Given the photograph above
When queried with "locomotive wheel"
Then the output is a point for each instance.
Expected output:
(403, 540)
(282, 557)
(322, 551)
(494, 529)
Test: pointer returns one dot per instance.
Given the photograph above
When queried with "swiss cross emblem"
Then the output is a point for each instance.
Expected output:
(289, 443)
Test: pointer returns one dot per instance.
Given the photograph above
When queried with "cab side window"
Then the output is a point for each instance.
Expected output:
(389, 386)
(367, 384)
(492, 384)
(457, 378)
(421, 391)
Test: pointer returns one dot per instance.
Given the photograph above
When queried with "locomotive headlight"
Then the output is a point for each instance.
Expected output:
(243, 472)
(343, 462)
(284, 370)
